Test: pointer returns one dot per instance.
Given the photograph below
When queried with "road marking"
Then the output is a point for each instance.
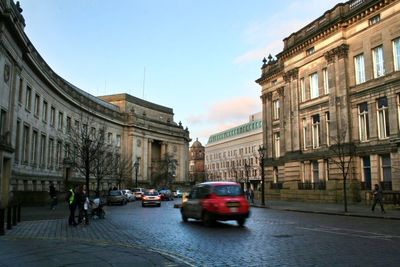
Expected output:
(349, 232)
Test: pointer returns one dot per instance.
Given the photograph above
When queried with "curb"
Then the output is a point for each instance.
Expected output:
(329, 213)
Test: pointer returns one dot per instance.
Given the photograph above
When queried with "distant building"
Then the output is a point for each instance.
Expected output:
(39, 108)
(196, 163)
(232, 155)
(336, 84)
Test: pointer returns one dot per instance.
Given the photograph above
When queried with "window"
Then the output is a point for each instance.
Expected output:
(17, 141)
(366, 174)
(363, 121)
(277, 145)
(359, 68)
(315, 131)
(37, 105)
(50, 153)
(327, 126)
(377, 56)
(69, 124)
(60, 121)
(304, 123)
(34, 147)
(42, 150)
(20, 90)
(109, 138)
(325, 80)
(310, 51)
(52, 116)
(276, 110)
(302, 90)
(25, 144)
(315, 171)
(396, 54)
(44, 111)
(3, 124)
(386, 168)
(28, 98)
(375, 19)
(314, 85)
(383, 118)
(58, 153)
(118, 140)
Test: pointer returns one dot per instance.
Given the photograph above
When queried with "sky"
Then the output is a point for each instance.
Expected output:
(199, 57)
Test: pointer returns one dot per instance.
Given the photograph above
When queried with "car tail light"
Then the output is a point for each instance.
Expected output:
(144, 197)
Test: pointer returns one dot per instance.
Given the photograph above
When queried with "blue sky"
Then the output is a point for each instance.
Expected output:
(199, 57)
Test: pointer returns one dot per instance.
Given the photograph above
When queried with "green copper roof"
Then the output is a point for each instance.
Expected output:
(236, 131)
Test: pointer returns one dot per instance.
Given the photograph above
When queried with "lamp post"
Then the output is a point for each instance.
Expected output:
(262, 152)
(136, 166)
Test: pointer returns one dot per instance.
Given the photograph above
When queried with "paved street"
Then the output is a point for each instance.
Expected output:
(158, 237)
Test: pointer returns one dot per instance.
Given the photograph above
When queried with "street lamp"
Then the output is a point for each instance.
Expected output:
(262, 151)
(136, 166)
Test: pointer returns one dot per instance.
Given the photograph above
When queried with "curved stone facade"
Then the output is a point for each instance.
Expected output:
(38, 108)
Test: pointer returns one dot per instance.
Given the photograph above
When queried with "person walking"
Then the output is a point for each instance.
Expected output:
(72, 203)
(378, 197)
(53, 196)
(84, 206)
(251, 195)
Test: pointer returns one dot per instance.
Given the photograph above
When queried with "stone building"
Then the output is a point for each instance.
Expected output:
(39, 108)
(232, 155)
(197, 172)
(335, 85)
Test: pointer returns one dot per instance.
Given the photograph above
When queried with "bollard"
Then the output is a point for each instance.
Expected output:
(14, 215)
(19, 213)
(9, 218)
(2, 231)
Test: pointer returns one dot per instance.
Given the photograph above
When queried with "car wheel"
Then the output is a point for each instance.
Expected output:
(207, 220)
(159, 205)
(241, 222)
(142, 205)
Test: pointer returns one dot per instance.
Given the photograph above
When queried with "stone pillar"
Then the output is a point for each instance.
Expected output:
(268, 125)
(307, 171)
(322, 170)
(375, 169)
(149, 163)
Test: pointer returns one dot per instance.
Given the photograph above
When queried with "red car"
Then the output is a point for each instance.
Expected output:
(212, 201)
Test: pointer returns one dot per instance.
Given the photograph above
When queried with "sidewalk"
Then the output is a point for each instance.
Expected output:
(357, 210)
(44, 238)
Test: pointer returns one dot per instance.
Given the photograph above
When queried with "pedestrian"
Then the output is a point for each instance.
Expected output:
(378, 197)
(53, 196)
(85, 205)
(80, 201)
(72, 204)
(251, 195)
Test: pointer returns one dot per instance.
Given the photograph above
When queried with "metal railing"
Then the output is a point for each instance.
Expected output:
(277, 185)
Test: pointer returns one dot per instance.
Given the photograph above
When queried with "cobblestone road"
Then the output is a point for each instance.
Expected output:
(270, 238)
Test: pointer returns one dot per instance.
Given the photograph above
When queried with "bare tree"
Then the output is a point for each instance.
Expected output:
(88, 145)
(123, 170)
(343, 154)
(165, 171)
(103, 166)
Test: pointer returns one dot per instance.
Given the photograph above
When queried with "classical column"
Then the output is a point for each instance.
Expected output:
(149, 162)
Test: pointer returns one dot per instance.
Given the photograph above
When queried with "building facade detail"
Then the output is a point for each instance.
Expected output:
(341, 84)
(39, 108)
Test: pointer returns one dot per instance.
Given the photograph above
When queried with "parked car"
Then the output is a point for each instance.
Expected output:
(116, 197)
(178, 193)
(151, 198)
(138, 192)
(166, 194)
(128, 194)
(212, 201)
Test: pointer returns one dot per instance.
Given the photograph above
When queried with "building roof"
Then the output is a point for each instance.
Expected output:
(196, 144)
(236, 131)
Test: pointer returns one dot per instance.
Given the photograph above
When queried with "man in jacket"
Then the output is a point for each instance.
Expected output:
(72, 204)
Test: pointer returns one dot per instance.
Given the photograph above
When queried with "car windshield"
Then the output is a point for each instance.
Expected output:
(136, 190)
(227, 190)
(115, 193)
(151, 193)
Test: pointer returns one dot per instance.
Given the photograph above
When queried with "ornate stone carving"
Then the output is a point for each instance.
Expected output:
(269, 96)
(281, 91)
(341, 52)
(291, 74)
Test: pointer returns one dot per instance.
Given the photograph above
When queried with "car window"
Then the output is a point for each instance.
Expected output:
(204, 191)
(227, 190)
(151, 193)
(115, 193)
(194, 193)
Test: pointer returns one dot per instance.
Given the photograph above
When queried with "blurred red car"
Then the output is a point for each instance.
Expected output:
(166, 194)
(212, 201)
